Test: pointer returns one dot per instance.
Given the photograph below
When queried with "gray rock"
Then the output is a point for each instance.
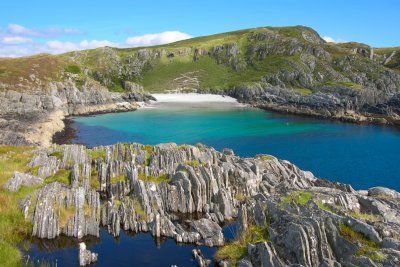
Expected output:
(86, 257)
(210, 231)
(201, 260)
(22, 179)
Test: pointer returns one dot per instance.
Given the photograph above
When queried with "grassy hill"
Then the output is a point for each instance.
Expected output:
(292, 57)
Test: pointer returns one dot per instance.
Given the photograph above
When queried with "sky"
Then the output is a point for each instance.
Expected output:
(30, 27)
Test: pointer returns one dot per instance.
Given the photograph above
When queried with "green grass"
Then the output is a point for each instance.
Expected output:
(264, 157)
(324, 206)
(57, 154)
(236, 250)
(365, 216)
(97, 154)
(192, 163)
(303, 91)
(149, 150)
(297, 197)
(74, 69)
(368, 248)
(62, 176)
(13, 227)
(118, 178)
(66, 214)
(154, 179)
(350, 85)
(139, 210)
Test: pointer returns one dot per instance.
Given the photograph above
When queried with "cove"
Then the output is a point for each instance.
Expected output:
(361, 155)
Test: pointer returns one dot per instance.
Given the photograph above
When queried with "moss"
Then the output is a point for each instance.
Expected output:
(74, 69)
(237, 249)
(154, 179)
(297, 197)
(192, 163)
(240, 197)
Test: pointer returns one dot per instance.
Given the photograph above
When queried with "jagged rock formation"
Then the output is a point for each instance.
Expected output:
(307, 221)
(86, 257)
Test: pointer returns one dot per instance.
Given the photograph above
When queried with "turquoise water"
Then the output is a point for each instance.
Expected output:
(361, 155)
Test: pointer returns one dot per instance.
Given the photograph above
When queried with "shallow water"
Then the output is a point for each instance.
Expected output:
(361, 155)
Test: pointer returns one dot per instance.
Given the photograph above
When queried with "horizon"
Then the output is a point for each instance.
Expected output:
(59, 28)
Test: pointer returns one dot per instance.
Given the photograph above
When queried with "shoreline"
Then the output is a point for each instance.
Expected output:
(68, 133)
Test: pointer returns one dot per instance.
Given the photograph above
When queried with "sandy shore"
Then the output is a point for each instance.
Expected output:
(193, 98)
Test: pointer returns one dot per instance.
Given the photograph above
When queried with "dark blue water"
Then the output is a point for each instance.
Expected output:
(127, 250)
(361, 155)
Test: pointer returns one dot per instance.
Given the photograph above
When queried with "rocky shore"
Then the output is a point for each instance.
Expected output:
(337, 103)
(285, 216)
(32, 118)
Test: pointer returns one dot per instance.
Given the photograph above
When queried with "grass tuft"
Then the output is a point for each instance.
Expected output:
(154, 179)
(368, 248)
(297, 197)
(237, 249)
(192, 163)
(74, 69)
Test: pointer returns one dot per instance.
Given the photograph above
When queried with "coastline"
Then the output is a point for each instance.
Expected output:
(65, 134)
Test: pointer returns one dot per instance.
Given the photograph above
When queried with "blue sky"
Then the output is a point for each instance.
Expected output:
(29, 27)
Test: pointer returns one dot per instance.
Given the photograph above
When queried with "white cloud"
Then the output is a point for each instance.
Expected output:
(20, 30)
(332, 40)
(16, 29)
(57, 47)
(15, 40)
(157, 38)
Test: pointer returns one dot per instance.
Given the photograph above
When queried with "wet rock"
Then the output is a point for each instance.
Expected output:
(86, 257)
(201, 260)
(210, 231)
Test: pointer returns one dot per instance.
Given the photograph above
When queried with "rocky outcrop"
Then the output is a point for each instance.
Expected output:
(329, 102)
(22, 179)
(33, 117)
(302, 220)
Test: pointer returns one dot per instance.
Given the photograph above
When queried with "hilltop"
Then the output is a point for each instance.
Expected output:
(289, 69)
(290, 57)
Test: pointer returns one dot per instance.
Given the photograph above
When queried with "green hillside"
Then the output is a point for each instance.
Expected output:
(292, 57)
